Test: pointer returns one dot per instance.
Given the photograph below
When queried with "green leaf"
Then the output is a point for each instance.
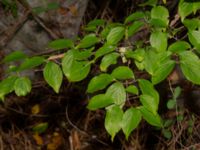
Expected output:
(158, 41)
(113, 120)
(134, 16)
(149, 103)
(163, 71)
(107, 60)
(105, 49)
(160, 13)
(117, 92)
(137, 54)
(16, 55)
(194, 37)
(130, 121)
(157, 23)
(30, 63)
(53, 75)
(52, 6)
(22, 86)
(159, 65)
(99, 101)
(190, 66)
(186, 8)
(177, 92)
(107, 29)
(74, 70)
(134, 27)
(192, 24)
(148, 89)
(115, 35)
(96, 22)
(171, 104)
(88, 41)
(122, 73)
(167, 134)
(7, 86)
(132, 89)
(99, 82)
(82, 54)
(179, 46)
(150, 3)
(40, 128)
(61, 44)
(152, 119)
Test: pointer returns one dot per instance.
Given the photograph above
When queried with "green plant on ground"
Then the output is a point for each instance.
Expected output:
(109, 46)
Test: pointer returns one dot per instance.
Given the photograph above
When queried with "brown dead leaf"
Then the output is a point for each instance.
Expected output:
(56, 141)
(38, 139)
(35, 109)
(73, 9)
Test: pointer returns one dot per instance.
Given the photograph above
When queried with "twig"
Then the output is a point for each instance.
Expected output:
(8, 34)
(38, 20)
(54, 57)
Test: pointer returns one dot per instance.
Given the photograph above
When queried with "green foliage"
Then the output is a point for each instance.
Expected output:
(130, 121)
(61, 44)
(22, 86)
(113, 120)
(40, 127)
(114, 66)
(53, 75)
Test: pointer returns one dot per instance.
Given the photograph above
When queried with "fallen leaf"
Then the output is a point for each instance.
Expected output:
(38, 139)
(35, 109)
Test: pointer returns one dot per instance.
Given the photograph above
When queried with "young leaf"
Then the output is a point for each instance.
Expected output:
(132, 89)
(164, 69)
(99, 82)
(122, 73)
(190, 66)
(30, 63)
(158, 41)
(148, 89)
(194, 37)
(107, 60)
(61, 44)
(134, 16)
(22, 86)
(177, 92)
(88, 41)
(117, 92)
(105, 49)
(179, 46)
(40, 128)
(99, 101)
(115, 35)
(135, 27)
(7, 86)
(160, 13)
(171, 104)
(16, 55)
(152, 119)
(130, 121)
(74, 70)
(149, 103)
(113, 120)
(53, 75)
